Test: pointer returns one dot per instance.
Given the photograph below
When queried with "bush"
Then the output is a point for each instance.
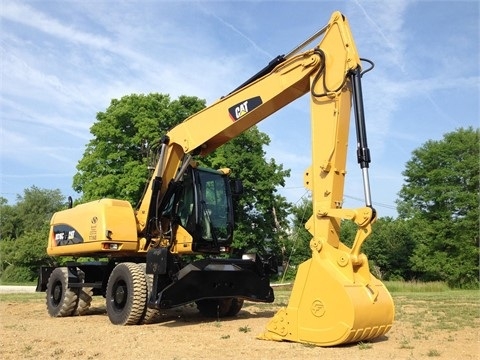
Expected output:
(17, 274)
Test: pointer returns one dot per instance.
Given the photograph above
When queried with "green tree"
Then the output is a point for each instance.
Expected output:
(36, 206)
(125, 137)
(389, 249)
(261, 213)
(23, 250)
(297, 245)
(440, 197)
(9, 220)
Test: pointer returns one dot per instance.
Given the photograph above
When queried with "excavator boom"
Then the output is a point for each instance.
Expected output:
(335, 299)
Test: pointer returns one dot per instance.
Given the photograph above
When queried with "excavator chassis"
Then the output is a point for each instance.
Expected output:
(210, 278)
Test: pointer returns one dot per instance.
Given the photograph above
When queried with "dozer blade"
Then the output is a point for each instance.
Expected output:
(331, 304)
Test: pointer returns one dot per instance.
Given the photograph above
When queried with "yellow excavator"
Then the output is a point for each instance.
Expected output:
(146, 261)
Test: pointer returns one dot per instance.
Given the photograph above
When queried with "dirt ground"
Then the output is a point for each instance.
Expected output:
(26, 331)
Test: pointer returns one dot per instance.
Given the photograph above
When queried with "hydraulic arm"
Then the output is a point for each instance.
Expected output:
(335, 298)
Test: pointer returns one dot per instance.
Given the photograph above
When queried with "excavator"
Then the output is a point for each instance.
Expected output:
(175, 247)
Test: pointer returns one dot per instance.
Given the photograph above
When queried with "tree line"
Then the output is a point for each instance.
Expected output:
(434, 238)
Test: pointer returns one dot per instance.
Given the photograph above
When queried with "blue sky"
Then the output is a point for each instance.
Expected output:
(63, 61)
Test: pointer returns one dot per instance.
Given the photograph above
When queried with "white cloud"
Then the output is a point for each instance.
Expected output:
(28, 16)
(62, 62)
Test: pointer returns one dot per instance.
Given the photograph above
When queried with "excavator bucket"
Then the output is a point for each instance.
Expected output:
(333, 301)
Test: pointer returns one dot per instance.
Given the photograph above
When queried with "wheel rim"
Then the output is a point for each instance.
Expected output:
(119, 295)
(56, 294)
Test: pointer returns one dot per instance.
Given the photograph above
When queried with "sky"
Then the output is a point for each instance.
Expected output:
(62, 62)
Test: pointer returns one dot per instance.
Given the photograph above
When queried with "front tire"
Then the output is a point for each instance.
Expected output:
(126, 294)
(61, 301)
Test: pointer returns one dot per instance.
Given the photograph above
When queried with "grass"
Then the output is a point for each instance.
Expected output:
(433, 352)
(445, 310)
(426, 306)
(244, 329)
(416, 286)
(405, 344)
(364, 345)
(22, 297)
(27, 283)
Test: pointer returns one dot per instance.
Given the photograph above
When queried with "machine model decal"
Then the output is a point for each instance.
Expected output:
(93, 229)
(240, 109)
(66, 235)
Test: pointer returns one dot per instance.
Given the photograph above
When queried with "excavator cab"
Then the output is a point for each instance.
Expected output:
(204, 209)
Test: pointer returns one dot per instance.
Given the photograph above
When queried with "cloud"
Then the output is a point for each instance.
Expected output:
(15, 114)
(28, 16)
(392, 36)
(62, 62)
(233, 28)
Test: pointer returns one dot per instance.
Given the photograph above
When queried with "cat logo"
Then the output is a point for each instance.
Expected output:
(240, 109)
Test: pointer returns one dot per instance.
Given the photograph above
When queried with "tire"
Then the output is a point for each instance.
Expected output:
(151, 315)
(236, 306)
(84, 300)
(61, 301)
(126, 294)
(219, 308)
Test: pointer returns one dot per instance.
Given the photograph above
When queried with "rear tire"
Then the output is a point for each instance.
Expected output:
(219, 308)
(84, 300)
(236, 306)
(151, 315)
(126, 294)
(61, 301)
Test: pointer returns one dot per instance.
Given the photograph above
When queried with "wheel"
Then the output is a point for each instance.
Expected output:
(84, 300)
(61, 301)
(236, 306)
(151, 315)
(126, 294)
(219, 307)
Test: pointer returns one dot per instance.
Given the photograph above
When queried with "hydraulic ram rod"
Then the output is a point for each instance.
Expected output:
(363, 152)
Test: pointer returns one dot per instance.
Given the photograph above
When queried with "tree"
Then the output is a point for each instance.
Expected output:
(297, 245)
(260, 211)
(9, 220)
(389, 249)
(440, 197)
(125, 137)
(127, 134)
(23, 248)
